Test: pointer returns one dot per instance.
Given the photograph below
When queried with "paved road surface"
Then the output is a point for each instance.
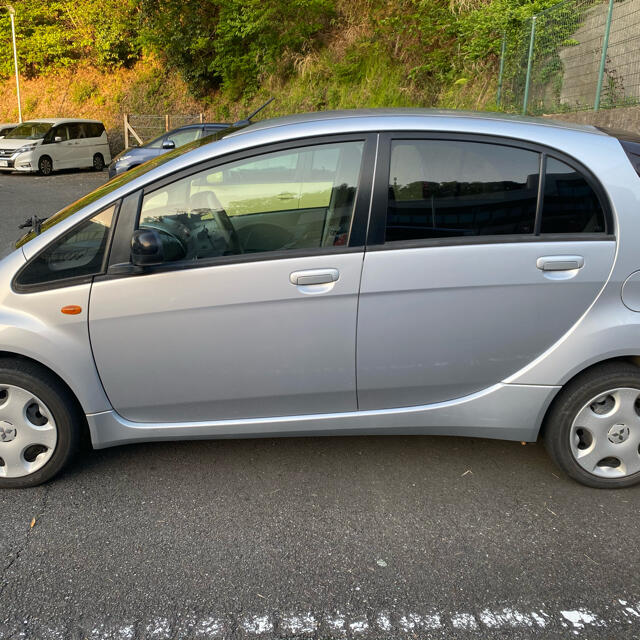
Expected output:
(370, 537)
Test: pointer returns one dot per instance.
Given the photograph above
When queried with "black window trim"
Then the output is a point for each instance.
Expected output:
(73, 280)
(377, 223)
(128, 222)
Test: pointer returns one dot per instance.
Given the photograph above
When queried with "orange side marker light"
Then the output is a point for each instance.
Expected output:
(71, 310)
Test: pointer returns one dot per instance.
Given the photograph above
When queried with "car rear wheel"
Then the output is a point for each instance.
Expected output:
(98, 162)
(45, 166)
(592, 431)
(39, 425)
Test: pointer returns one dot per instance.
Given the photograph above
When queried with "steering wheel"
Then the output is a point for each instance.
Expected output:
(229, 232)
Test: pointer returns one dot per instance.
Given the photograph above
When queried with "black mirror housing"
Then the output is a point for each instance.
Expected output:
(146, 248)
(168, 144)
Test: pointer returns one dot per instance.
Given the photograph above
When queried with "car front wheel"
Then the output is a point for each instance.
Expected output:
(45, 166)
(39, 425)
(592, 431)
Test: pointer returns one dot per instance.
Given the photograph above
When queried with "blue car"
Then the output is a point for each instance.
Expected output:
(134, 156)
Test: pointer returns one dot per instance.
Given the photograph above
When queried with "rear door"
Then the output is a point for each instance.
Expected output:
(474, 265)
(80, 136)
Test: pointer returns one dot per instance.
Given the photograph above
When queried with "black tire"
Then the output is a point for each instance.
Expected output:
(62, 406)
(45, 166)
(98, 162)
(567, 405)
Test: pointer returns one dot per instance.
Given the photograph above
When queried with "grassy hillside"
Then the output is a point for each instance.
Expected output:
(224, 58)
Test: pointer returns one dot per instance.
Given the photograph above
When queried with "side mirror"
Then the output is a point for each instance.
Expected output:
(58, 139)
(168, 144)
(146, 248)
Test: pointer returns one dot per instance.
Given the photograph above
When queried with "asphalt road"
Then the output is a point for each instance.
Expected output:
(369, 537)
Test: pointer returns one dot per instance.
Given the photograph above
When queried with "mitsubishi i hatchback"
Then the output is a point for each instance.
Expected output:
(47, 145)
(365, 272)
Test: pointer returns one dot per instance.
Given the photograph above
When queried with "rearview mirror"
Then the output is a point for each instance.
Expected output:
(57, 139)
(168, 144)
(146, 248)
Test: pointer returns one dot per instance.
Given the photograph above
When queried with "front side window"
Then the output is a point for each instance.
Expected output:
(570, 205)
(79, 253)
(183, 137)
(448, 188)
(294, 199)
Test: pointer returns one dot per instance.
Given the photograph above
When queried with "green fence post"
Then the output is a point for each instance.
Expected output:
(529, 65)
(603, 59)
(502, 50)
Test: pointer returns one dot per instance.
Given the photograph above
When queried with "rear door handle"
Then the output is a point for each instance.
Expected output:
(314, 276)
(286, 196)
(560, 263)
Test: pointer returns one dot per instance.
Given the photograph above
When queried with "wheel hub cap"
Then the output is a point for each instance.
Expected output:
(619, 433)
(605, 434)
(7, 432)
(28, 432)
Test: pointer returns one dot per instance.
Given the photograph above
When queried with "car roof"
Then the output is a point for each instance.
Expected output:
(319, 116)
(61, 120)
(8, 124)
(197, 125)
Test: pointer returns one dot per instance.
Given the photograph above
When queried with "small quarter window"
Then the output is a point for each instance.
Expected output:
(570, 205)
(79, 253)
(448, 188)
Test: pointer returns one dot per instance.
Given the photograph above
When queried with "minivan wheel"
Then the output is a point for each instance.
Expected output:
(39, 425)
(45, 166)
(592, 431)
(98, 162)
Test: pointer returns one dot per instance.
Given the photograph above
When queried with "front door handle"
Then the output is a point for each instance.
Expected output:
(286, 196)
(314, 276)
(560, 263)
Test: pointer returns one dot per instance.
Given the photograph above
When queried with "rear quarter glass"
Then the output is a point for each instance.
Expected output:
(630, 143)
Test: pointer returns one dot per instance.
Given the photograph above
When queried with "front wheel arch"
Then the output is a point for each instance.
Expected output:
(9, 355)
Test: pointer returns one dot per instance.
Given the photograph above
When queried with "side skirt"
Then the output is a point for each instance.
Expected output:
(504, 411)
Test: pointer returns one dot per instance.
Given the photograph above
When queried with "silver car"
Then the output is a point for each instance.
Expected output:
(360, 272)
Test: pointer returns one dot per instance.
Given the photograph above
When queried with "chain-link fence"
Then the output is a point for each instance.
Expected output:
(577, 55)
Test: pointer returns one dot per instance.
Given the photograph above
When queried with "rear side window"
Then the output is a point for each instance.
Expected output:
(447, 188)
(79, 253)
(96, 129)
(570, 205)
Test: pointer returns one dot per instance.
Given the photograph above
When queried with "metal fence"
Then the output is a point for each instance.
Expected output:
(577, 55)
(142, 128)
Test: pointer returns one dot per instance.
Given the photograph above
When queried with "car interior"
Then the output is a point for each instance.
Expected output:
(285, 200)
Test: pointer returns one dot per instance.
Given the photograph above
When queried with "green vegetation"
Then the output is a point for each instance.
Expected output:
(311, 54)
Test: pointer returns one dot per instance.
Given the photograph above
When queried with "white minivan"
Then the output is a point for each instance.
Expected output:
(50, 144)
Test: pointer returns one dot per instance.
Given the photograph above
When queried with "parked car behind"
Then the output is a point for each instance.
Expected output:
(395, 272)
(134, 156)
(49, 144)
(6, 127)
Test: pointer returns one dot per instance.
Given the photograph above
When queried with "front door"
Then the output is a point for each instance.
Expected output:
(62, 152)
(253, 313)
(470, 275)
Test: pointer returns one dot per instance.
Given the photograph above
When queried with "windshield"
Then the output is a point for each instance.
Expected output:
(120, 180)
(30, 131)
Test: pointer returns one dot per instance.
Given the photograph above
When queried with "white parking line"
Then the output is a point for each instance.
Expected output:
(539, 621)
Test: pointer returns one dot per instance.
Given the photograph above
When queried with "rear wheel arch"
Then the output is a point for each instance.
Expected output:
(625, 359)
